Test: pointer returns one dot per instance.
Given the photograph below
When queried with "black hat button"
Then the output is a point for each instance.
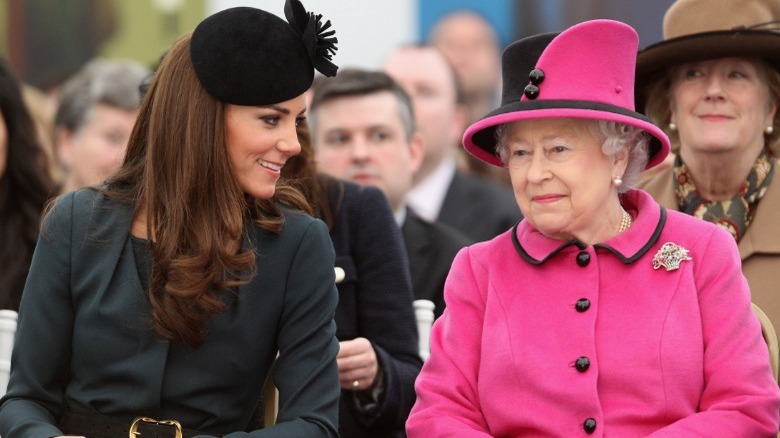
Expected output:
(536, 76)
(531, 91)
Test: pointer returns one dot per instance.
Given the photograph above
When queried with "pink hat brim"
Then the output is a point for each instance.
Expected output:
(488, 124)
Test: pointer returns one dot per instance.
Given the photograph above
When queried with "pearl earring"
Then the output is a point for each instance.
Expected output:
(769, 130)
(618, 181)
(672, 126)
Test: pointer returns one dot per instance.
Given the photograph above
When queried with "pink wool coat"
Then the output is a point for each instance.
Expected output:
(545, 338)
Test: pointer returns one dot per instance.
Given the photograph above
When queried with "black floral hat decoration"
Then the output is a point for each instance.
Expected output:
(248, 56)
(320, 42)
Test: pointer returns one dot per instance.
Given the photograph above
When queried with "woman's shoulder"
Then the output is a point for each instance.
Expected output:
(682, 227)
(498, 248)
(84, 202)
(351, 193)
(351, 202)
(86, 215)
(295, 221)
(297, 226)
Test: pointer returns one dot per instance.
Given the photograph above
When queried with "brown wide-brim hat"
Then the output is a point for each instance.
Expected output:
(698, 30)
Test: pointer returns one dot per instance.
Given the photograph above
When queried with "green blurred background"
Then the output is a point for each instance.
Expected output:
(47, 40)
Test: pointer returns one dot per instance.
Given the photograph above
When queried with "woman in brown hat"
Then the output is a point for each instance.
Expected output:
(713, 84)
(157, 302)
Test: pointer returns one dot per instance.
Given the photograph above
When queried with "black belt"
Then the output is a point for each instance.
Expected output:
(103, 426)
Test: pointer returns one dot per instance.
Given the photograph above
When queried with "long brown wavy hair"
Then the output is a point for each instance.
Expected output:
(25, 187)
(177, 174)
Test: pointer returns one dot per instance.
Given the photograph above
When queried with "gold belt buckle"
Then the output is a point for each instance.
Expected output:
(134, 427)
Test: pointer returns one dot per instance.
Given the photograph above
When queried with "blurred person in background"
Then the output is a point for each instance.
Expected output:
(38, 103)
(363, 129)
(25, 187)
(478, 208)
(95, 115)
(713, 84)
(472, 46)
(378, 357)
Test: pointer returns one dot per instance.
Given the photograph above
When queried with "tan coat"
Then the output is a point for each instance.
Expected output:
(759, 248)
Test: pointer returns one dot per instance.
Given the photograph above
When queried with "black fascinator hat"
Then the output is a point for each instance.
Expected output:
(247, 56)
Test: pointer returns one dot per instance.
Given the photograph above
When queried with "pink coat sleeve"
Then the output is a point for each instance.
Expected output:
(447, 398)
(740, 397)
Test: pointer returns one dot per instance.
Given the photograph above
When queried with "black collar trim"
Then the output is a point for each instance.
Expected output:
(650, 242)
(527, 257)
(627, 260)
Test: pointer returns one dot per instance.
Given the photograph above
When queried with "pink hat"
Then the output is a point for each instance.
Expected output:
(585, 72)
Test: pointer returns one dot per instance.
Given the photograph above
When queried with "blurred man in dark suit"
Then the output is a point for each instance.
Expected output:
(363, 128)
(477, 207)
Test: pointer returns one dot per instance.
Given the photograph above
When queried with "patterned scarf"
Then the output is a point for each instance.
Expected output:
(735, 214)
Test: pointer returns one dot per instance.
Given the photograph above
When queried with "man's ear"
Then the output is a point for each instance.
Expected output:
(460, 122)
(64, 144)
(416, 151)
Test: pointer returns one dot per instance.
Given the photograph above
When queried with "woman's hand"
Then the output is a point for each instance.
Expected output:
(357, 363)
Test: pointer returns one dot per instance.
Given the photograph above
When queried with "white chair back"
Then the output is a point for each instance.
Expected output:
(7, 333)
(423, 312)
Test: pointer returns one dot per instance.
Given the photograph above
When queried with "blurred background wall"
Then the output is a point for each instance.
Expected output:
(47, 40)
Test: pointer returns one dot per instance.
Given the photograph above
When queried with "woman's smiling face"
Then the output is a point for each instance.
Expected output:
(259, 140)
(721, 105)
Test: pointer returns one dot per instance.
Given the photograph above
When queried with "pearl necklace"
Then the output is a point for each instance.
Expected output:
(625, 222)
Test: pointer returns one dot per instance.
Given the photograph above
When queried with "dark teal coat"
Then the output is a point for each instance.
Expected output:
(84, 338)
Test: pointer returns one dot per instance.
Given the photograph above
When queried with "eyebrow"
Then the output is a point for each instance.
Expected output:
(557, 135)
(281, 109)
(552, 136)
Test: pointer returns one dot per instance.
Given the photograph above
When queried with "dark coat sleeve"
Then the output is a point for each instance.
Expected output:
(375, 302)
(306, 373)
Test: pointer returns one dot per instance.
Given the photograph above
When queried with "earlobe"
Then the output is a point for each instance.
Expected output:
(64, 146)
(416, 151)
(771, 114)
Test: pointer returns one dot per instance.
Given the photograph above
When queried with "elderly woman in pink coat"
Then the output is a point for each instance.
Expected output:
(601, 313)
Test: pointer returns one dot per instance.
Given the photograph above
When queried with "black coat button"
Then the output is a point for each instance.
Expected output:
(582, 305)
(583, 258)
(589, 425)
(582, 364)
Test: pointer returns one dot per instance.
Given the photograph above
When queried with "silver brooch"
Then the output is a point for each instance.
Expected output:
(669, 256)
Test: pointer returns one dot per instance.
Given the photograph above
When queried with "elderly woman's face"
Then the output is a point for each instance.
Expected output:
(721, 105)
(561, 177)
